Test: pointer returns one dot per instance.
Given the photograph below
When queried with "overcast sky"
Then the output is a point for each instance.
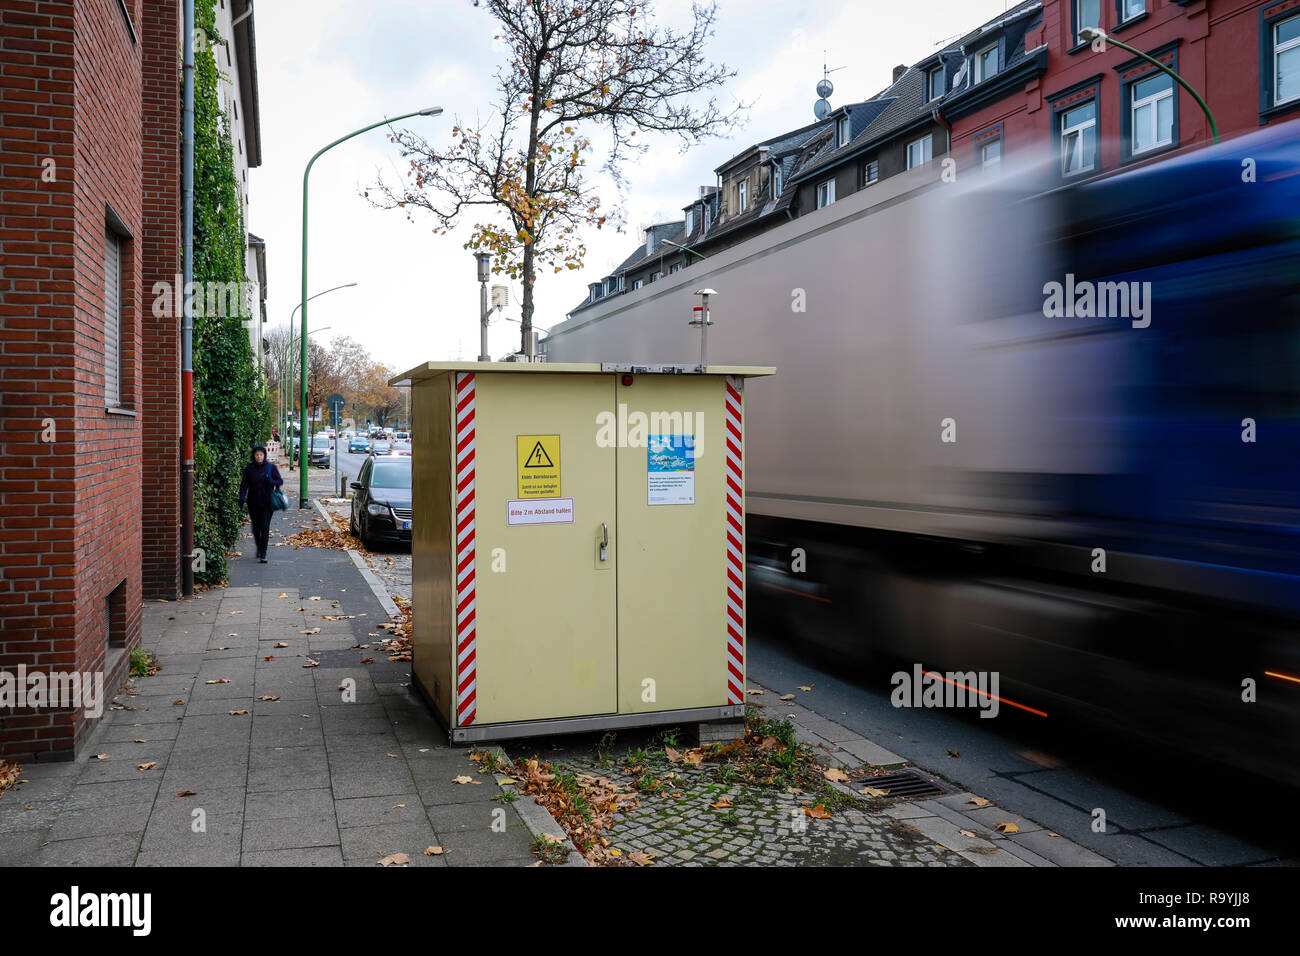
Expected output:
(326, 67)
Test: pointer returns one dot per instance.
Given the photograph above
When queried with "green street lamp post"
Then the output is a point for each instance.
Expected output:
(1093, 34)
(428, 111)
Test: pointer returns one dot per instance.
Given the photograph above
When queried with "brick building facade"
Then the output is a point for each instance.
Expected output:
(89, 220)
(1092, 111)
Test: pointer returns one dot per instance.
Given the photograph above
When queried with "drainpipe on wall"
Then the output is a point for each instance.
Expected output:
(187, 324)
(938, 118)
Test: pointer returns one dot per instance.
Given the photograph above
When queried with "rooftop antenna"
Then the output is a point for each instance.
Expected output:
(822, 108)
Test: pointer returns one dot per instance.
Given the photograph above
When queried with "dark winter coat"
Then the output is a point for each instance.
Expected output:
(258, 482)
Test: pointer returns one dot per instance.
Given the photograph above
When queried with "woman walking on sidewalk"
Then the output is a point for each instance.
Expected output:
(261, 477)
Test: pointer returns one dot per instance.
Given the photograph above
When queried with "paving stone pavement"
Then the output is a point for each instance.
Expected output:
(763, 827)
(300, 777)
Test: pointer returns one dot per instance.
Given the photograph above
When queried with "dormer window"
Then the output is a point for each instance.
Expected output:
(776, 181)
(842, 131)
(742, 196)
(690, 220)
(986, 63)
(934, 84)
(649, 242)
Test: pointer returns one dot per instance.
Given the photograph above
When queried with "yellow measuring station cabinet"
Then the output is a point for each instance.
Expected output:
(578, 545)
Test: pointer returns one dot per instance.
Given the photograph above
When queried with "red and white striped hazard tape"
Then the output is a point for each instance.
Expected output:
(466, 670)
(735, 475)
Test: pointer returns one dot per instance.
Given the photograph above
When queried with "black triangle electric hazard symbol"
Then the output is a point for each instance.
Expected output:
(537, 458)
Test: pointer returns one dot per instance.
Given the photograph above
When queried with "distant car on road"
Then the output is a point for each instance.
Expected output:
(358, 443)
(398, 447)
(380, 446)
(381, 502)
(320, 451)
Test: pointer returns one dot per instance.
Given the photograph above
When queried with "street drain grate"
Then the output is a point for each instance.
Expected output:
(906, 785)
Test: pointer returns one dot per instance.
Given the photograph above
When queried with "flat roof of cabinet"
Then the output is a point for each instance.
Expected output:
(429, 370)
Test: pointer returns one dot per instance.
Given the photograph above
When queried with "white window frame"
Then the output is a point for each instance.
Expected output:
(112, 319)
(675, 267)
(842, 131)
(636, 284)
(1131, 16)
(926, 143)
(776, 180)
(649, 242)
(930, 74)
(1279, 49)
(826, 192)
(980, 75)
(690, 221)
(1079, 25)
(985, 164)
(742, 195)
(1153, 100)
(1077, 130)
(867, 178)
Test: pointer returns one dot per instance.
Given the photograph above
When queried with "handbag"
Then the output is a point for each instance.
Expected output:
(278, 501)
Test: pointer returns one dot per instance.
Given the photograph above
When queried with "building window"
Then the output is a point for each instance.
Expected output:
(1151, 113)
(1079, 139)
(991, 155)
(636, 284)
(675, 267)
(1286, 61)
(690, 221)
(776, 181)
(656, 276)
(870, 173)
(1087, 13)
(112, 319)
(742, 196)
(934, 83)
(649, 242)
(842, 131)
(825, 193)
(986, 63)
(1129, 9)
(920, 152)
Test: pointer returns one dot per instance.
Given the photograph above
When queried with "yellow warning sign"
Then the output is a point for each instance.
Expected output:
(539, 466)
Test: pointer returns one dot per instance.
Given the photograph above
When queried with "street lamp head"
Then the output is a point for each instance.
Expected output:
(705, 292)
(1088, 34)
(431, 111)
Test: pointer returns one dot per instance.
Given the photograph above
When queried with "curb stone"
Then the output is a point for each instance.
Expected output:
(377, 586)
(538, 819)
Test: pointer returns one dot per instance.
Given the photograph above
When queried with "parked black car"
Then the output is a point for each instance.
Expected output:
(381, 502)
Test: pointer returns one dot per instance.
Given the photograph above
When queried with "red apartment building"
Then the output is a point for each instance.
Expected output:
(1092, 111)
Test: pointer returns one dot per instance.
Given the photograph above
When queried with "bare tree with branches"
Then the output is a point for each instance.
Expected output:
(572, 65)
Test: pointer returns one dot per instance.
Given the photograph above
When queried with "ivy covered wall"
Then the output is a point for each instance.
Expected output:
(231, 411)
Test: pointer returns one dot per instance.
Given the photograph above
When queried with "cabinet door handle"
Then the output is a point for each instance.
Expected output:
(604, 540)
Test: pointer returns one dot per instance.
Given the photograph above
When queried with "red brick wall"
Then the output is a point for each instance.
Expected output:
(161, 39)
(70, 513)
(37, 479)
